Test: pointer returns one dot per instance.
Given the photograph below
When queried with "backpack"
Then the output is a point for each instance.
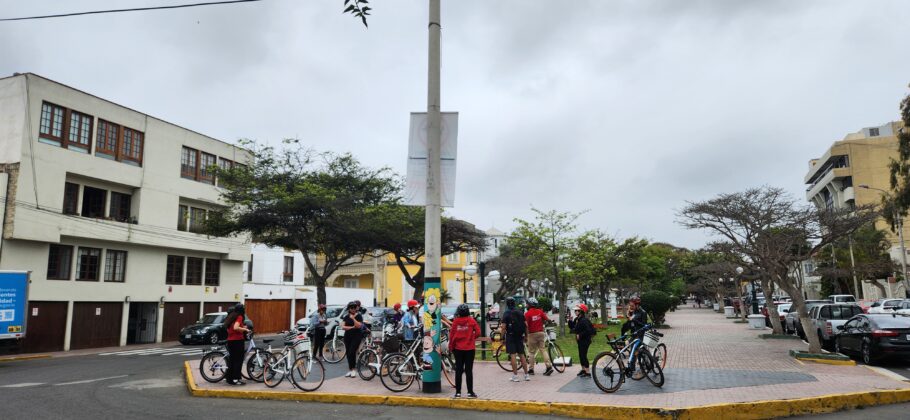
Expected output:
(516, 323)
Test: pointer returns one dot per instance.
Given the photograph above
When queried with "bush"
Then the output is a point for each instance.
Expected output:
(656, 304)
(545, 303)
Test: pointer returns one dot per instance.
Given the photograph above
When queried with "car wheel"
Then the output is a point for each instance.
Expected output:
(212, 338)
(867, 352)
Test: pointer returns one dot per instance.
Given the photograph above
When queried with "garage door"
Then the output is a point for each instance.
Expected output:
(209, 307)
(176, 316)
(46, 328)
(299, 309)
(96, 324)
(269, 316)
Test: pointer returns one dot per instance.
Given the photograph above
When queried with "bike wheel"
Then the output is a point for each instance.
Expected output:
(307, 373)
(275, 371)
(448, 370)
(652, 370)
(255, 364)
(660, 355)
(367, 364)
(607, 371)
(334, 351)
(401, 372)
(503, 359)
(213, 366)
(555, 354)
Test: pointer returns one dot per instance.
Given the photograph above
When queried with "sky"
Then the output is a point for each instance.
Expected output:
(623, 110)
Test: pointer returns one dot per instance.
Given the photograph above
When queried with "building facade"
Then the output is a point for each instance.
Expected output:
(102, 204)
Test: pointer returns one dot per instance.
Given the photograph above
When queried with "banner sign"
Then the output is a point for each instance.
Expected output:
(415, 191)
(13, 303)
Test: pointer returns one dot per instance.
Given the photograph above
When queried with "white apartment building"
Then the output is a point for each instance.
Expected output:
(101, 204)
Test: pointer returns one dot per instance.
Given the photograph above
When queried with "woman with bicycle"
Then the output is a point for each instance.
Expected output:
(584, 331)
(352, 323)
(236, 331)
(462, 338)
(318, 323)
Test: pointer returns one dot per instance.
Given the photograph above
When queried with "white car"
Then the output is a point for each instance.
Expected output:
(885, 306)
(904, 308)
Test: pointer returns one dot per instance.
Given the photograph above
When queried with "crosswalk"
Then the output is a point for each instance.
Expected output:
(170, 351)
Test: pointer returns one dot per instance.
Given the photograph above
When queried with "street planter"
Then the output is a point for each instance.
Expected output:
(756, 322)
(825, 358)
(716, 307)
(728, 312)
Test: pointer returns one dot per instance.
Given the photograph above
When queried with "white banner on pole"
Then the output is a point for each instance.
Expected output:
(415, 191)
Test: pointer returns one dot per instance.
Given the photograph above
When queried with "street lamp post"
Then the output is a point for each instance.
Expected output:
(900, 234)
(480, 268)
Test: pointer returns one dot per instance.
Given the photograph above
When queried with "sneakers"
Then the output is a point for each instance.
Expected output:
(584, 375)
(581, 373)
(457, 395)
(350, 374)
(530, 371)
(527, 377)
(515, 378)
(549, 371)
(472, 395)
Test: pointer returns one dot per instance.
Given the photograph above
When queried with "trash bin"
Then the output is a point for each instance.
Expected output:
(728, 311)
(757, 322)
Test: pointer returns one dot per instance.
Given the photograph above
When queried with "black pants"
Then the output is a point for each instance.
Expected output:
(464, 362)
(583, 352)
(351, 344)
(318, 341)
(235, 359)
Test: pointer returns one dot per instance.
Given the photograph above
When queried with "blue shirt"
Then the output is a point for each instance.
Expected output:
(409, 325)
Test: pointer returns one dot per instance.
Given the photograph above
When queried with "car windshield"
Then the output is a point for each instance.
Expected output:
(896, 322)
(784, 308)
(332, 312)
(211, 319)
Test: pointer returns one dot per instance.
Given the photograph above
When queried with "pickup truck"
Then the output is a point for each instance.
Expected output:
(827, 317)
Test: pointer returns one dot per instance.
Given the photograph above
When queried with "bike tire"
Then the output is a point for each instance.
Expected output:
(366, 364)
(652, 370)
(607, 371)
(213, 366)
(334, 351)
(255, 364)
(448, 370)
(307, 373)
(274, 372)
(660, 355)
(503, 359)
(555, 353)
(401, 372)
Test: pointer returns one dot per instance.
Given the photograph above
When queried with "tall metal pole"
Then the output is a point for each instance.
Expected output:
(482, 266)
(433, 245)
(900, 233)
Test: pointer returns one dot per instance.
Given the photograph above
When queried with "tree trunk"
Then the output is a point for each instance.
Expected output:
(742, 303)
(603, 302)
(800, 304)
(320, 291)
(773, 315)
(880, 287)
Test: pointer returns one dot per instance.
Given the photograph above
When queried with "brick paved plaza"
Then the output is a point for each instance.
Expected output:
(711, 360)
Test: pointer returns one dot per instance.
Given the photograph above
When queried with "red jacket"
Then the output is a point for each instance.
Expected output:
(463, 333)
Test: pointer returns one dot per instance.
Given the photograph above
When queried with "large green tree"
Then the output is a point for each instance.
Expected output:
(898, 202)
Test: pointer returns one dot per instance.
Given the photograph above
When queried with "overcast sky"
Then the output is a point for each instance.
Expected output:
(623, 108)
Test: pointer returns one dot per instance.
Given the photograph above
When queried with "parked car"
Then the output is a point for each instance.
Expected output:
(904, 308)
(884, 306)
(827, 317)
(207, 330)
(873, 337)
(842, 298)
(791, 321)
(474, 308)
(782, 310)
(333, 314)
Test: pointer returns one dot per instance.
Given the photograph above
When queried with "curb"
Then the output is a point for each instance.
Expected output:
(751, 410)
(21, 358)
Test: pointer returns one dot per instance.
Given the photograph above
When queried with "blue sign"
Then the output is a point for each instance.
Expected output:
(13, 303)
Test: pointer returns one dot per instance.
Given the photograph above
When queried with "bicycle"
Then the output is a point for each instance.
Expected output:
(297, 361)
(256, 359)
(334, 351)
(401, 369)
(553, 350)
(214, 363)
(610, 370)
(657, 349)
(369, 355)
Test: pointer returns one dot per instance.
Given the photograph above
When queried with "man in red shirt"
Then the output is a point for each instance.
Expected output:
(537, 339)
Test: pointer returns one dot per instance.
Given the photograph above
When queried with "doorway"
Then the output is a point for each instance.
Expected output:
(142, 325)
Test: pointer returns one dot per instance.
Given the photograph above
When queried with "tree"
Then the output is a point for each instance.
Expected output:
(323, 205)
(513, 269)
(358, 8)
(593, 259)
(767, 226)
(547, 240)
(872, 261)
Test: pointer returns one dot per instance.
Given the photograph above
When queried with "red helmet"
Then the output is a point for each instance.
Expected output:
(412, 304)
(581, 307)
(397, 306)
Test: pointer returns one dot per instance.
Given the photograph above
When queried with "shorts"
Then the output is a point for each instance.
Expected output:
(515, 345)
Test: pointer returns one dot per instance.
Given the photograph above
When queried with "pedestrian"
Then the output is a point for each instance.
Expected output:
(537, 337)
(235, 339)
(317, 331)
(352, 324)
(396, 317)
(409, 322)
(462, 340)
(584, 331)
(514, 330)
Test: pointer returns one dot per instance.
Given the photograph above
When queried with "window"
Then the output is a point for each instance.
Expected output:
(452, 258)
(59, 262)
(87, 264)
(80, 131)
(119, 143)
(70, 198)
(193, 271)
(52, 121)
(197, 220)
(115, 266)
(873, 132)
(225, 164)
(183, 215)
(189, 162)
(351, 283)
(93, 201)
(249, 269)
(65, 128)
(120, 207)
(107, 137)
(132, 145)
(205, 168)
(288, 269)
(174, 273)
(212, 272)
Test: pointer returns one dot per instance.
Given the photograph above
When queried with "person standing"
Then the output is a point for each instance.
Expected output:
(352, 324)
(318, 323)
(584, 331)
(236, 331)
(514, 330)
(409, 323)
(462, 340)
(396, 317)
(537, 338)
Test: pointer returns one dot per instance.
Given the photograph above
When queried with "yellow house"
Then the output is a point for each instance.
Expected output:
(397, 289)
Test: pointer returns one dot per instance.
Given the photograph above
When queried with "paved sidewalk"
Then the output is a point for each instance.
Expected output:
(711, 360)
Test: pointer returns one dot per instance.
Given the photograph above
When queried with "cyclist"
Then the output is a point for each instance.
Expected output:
(410, 322)
(638, 318)
(462, 338)
(352, 323)
(584, 331)
(514, 330)
(317, 331)
(537, 338)
(396, 318)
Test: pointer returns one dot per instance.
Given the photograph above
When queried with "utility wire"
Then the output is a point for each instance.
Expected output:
(136, 9)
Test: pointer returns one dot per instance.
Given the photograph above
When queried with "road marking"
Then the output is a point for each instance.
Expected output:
(154, 351)
(183, 352)
(22, 385)
(887, 373)
(91, 380)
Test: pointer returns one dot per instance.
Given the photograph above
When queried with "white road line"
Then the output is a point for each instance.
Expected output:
(184, 352)
(22, 385)
(887, 373)
(137, 352)
(91, 380)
